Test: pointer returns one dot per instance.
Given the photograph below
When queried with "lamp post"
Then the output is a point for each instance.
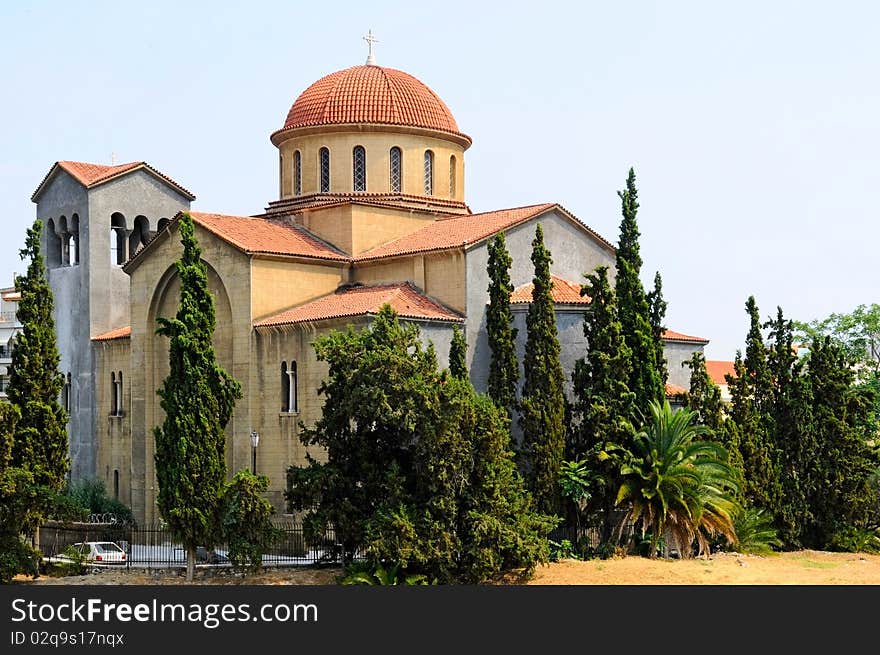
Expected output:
(255, 441)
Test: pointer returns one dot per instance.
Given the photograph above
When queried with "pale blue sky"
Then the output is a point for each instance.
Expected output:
(752, 126)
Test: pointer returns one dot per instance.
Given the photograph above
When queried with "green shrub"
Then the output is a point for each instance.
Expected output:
(856, 540)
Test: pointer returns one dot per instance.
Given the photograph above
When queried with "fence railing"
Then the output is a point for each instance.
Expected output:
(154, 546)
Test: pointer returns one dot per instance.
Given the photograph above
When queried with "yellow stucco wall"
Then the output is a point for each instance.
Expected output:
(279, 285)
(378, 146)
(439, 275)
(113, 429)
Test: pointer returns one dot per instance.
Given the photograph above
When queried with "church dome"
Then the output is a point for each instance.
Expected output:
(370, 94)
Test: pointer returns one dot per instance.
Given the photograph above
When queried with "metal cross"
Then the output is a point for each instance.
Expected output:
(370, 39)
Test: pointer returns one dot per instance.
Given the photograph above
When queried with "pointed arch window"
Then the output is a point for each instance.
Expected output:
(359, 168)
(429, 173)
(452, 163)
(324, 164)
(289, 401)
(113, 395)
(297, 173)
(396, 169)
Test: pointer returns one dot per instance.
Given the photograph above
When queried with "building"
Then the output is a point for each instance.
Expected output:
(718, 370)
(371, 209)
(9, 327)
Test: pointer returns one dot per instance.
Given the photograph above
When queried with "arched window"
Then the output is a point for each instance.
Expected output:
(67, 394)
(452, 176)
(73, 244)
(116, 484)
(294, 400)
(53, 243)
(396, 169)
(429, 173)
(140, 235)
(297, 173)
(118, 239)
(119, 403)
(64, 235)
(113, 394)
(324, 159)
(163, 223)
(359, 168)
(285, 388)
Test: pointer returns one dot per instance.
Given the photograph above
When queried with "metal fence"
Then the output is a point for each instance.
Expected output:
(153, 546)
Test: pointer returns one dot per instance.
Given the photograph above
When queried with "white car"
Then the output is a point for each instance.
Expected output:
(101, 552)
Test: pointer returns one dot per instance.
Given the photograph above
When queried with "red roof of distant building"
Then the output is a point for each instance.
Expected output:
(90, 175)
(370, 94)
(669, 335)
(564, 292)
(362, 301)
(718, 369)
(673, 390)
(118, 333)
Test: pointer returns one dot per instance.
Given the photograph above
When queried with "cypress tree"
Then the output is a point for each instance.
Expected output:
(645, 380)
(40, 444)
(704, 396)
(457, 354)
(198, 397)
(603, 405)
(542, 411)
(503, 365)
(656, 317)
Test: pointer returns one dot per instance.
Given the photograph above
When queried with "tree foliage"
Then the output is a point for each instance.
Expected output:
(246, 522)
(198, 397)
(656, 317)
(458, 354)
(418, 471)
(704, 396)
(503, 365)
(635, 314)
(542, 404)
(40, 443)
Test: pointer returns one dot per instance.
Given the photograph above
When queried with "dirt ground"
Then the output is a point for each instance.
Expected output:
(795, 568)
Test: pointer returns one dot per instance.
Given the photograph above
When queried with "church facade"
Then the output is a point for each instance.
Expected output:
(371, 210)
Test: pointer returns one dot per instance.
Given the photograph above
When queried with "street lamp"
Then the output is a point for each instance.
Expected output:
(255, 441)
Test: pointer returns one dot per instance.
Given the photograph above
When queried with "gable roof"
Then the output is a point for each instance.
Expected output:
(118, 333)
(404, 298)
(465, 230)
(564, 292)
(717, 369)
(91, 175)
(673, 390)
(669, 335)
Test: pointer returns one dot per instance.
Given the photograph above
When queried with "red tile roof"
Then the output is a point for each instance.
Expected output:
(90, 175)
(370, 94)
(118, 333)
(674, 390)
(456, 231)
(717, 369)
(365, 300)
(669, 335)
(12, 296)
(564, 292)
(264, 236)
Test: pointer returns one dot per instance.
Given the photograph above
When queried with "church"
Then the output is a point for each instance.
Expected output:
(371, 209)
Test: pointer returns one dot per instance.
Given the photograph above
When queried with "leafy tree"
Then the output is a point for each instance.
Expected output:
(503, 365)
(247, 521)
(679, 487)
(635, 316)
(198, 397)
(603, 405)
(542, 406)
(858, 332)
(656, 316)
(40, 444)
(457, 354)
(418, 472)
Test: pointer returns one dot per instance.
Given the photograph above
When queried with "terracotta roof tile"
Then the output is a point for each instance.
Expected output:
(674, 390)
(118, 333)
(669, 335)
(264, 236)
(370, 94)
(564, 292)
(12, 296)
(717, 369)
(455, 231)
(90, 175)
(362, 301)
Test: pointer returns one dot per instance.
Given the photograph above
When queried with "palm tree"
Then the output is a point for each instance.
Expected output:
(677, 485)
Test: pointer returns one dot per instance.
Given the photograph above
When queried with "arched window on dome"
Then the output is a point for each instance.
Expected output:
(452, 176)
(429, 173)
(359, 168)
(396, 169)
(297, 173)
(324, 162)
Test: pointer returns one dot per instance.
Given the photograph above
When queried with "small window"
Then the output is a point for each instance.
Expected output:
(294, 401)
(452, 176)
(359, 168)
(395, 172)
(67, 394)
(113, 394)
(297, 173)
(324, 157)
(429, 173)
(119, 403)
(285, 388)
(116, 484)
